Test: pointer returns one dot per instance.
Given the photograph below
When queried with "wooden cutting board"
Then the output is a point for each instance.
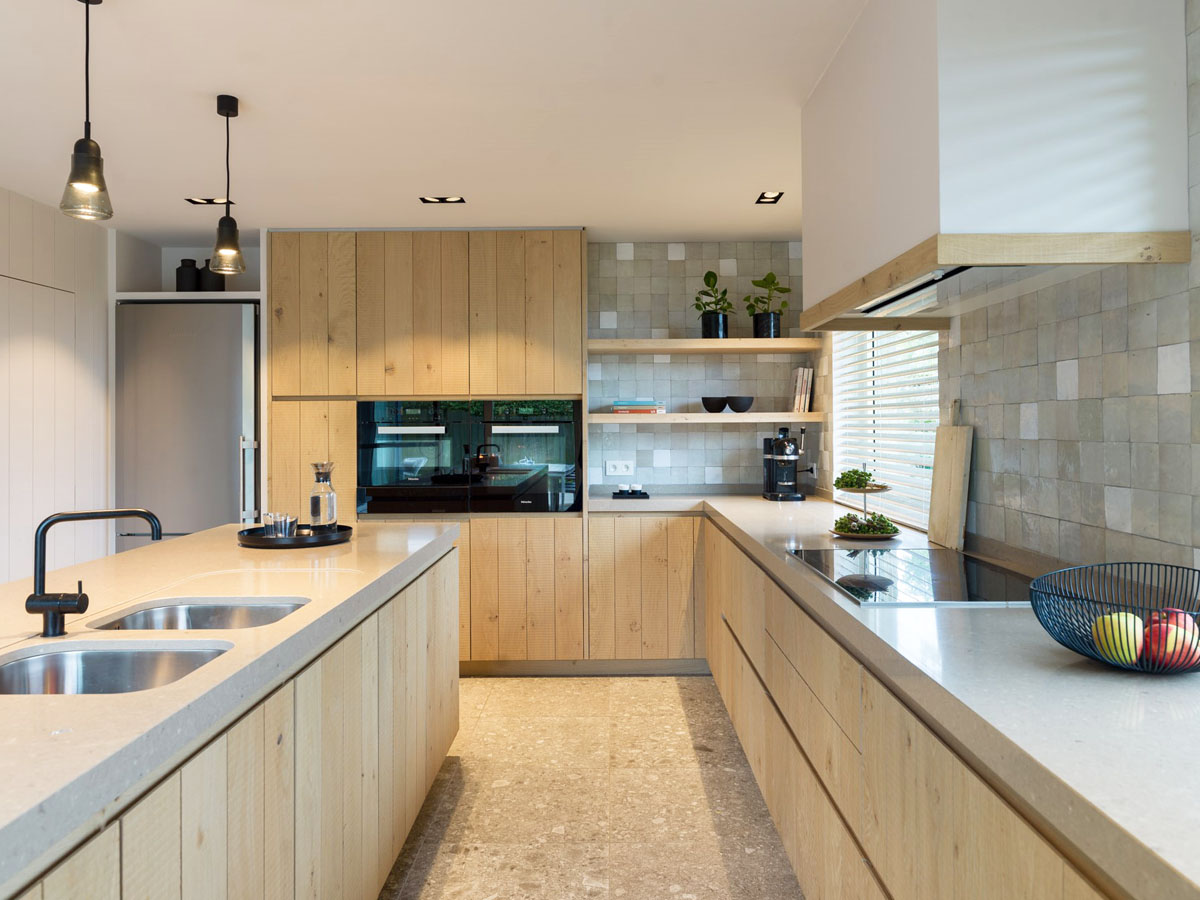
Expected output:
(951, 477)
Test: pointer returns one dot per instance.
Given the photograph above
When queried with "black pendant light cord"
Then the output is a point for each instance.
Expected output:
(227, 198)
(87, 70)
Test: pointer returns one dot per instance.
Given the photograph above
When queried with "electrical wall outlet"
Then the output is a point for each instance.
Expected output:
(618, 467)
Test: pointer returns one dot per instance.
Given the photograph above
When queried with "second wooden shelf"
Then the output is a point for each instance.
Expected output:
(725, 418)
(609, 347)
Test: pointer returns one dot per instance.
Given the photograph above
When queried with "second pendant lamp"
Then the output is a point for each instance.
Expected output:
(227, 254)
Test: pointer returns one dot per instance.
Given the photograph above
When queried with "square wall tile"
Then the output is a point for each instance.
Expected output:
(625, 251)
(1174, 369)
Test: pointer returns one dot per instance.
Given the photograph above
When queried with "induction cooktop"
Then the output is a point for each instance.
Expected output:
(911, 576)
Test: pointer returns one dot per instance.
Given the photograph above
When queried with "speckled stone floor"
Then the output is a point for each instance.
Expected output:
(563, 788)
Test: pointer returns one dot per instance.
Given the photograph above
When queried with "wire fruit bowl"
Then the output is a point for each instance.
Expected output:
(1139, 616)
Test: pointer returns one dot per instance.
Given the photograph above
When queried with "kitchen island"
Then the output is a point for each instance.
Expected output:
(924, 724)
(240, 774)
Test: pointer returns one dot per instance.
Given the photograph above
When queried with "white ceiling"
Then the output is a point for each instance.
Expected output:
(640, 119)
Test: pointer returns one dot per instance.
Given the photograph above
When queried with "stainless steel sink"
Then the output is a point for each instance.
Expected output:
(101, 671)
(201, 614)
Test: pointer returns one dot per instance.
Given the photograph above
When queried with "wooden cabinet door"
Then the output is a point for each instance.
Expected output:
(526, 588)
(526, 312)
(960, 838)
(313, 329)
(642, 593)
(150, 846)
(204, 817)
(307, 431)
(92, 871)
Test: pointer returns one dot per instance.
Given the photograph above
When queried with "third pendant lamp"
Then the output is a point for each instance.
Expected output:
(227, 254)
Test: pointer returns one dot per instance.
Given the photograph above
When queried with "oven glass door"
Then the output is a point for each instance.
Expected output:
(413, 457)
(538, 445)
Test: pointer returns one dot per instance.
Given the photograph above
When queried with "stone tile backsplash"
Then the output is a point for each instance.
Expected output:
(645, 290)
(1080, 389)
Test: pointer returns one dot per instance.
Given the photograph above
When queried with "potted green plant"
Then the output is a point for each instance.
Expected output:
(714, 308)
(761, 306)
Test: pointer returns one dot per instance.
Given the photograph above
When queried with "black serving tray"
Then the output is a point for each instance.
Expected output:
(630, 495)
(304, 537)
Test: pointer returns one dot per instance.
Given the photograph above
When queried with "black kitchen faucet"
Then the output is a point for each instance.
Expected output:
(54, 607)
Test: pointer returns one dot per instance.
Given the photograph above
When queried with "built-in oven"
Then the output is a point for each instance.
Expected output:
(535, 453)
(462, 456)
(412, 455)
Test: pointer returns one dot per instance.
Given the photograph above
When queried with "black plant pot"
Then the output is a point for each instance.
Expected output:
(766, 325)
(714, 325)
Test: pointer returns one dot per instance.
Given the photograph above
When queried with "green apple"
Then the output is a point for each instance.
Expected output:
(1118, 637)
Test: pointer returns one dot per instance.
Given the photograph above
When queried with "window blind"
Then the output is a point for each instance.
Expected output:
(885, 416)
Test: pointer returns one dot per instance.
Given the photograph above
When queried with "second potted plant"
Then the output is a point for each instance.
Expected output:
(767, 320)
(714, 308)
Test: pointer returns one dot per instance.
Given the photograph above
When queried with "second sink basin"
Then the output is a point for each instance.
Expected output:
(93, 670)
(203, 614)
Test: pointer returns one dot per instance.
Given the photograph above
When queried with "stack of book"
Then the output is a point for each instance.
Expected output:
(638, 407)
(802, 389)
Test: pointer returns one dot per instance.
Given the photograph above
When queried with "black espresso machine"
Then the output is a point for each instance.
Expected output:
(781, 466)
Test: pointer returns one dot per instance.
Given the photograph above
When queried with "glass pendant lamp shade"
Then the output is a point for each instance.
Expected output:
(86, 194)
(227, 254)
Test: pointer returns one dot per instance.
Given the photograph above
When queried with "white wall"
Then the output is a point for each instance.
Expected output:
(53, 382)
(1062, 115)
(869, 149)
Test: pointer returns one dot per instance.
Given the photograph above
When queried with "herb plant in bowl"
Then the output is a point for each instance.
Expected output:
(856, 480)
(714, 307)
(762, 307)
(872, 525)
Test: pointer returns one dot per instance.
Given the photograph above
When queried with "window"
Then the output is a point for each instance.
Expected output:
(885, 416)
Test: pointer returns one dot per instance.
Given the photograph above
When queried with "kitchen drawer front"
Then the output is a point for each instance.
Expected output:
(833, 676)
(734, 592)
(828, 863)
(830, 751)
(931, 827)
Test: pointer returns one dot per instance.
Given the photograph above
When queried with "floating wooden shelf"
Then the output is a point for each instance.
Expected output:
(609, 347)
(187, 295)
(698, 418)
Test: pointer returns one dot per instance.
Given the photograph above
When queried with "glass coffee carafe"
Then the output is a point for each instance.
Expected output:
(322, 502)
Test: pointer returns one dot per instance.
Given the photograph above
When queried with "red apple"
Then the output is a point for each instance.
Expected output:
(1172, 647)
(1180, 618)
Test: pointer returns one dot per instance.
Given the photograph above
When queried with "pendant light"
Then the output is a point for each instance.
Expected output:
(86, 194)
(227, 254)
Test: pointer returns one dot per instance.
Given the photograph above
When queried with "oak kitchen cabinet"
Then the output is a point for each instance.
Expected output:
(867, 800)
(642, 598)
(526, 596)
(426, 313)
(313, 791)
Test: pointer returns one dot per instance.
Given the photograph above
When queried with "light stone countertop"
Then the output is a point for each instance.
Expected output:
(1104, 760)
(68, 763)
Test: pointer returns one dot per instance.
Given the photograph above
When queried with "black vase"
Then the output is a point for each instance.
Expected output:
(714, 325)
(210, 280)
(187, 276)
(766, 325)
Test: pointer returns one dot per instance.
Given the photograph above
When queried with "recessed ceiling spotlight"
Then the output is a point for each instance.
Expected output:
(209, 201)
(769, 197)
(443, 199)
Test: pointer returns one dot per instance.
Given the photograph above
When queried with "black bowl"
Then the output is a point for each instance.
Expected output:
(740, 404)
(713, 404)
